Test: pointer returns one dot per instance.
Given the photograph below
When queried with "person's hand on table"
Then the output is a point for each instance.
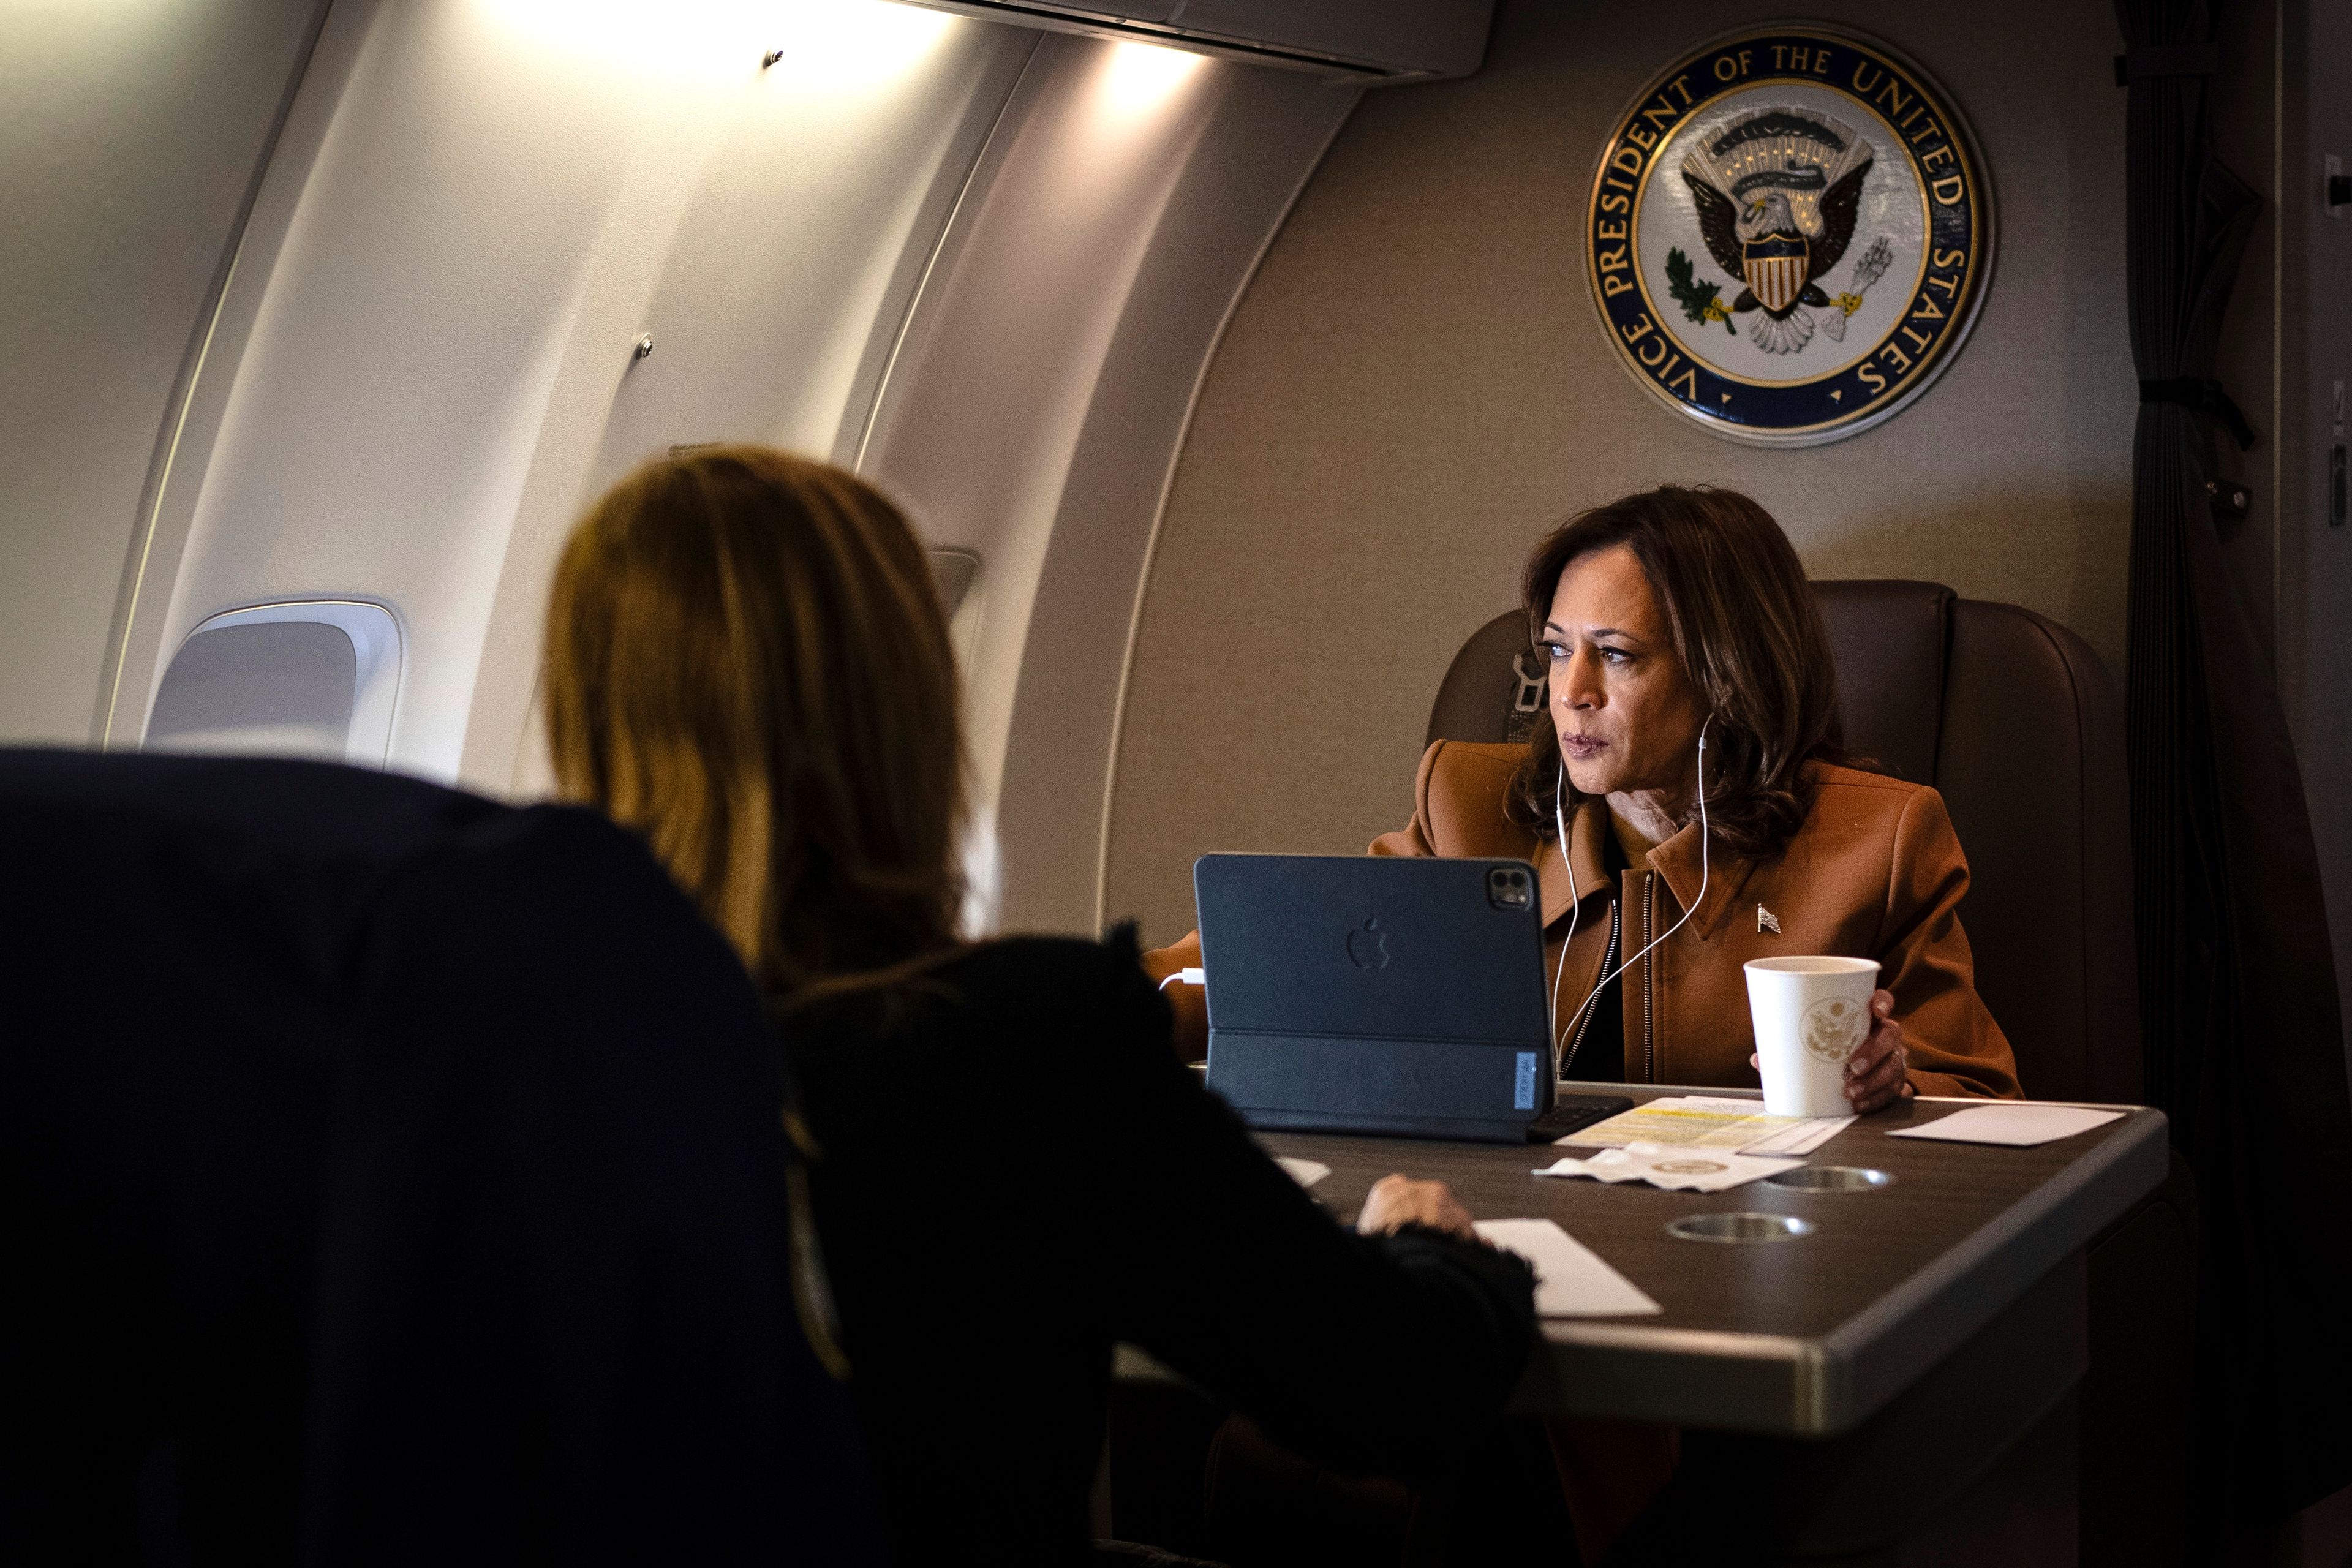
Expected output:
(1399, 1200)
(1878, 1074)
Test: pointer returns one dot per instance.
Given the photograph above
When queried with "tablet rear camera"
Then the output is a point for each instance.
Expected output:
(1510, 888)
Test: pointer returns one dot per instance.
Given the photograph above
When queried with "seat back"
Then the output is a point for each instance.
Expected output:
(386, 1174)
(2013, 719)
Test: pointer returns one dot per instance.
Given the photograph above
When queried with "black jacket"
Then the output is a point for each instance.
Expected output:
(1017, 1172)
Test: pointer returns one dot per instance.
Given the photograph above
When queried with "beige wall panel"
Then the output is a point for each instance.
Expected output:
(1417, 385)
(131, 134)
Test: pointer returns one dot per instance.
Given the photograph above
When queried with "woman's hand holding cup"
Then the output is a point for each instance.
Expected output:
(1878, 1073)
(1827, 1043)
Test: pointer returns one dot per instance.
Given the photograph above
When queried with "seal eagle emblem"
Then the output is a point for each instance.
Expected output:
(1777, 195)
(1788, 235)
(1831, 1029)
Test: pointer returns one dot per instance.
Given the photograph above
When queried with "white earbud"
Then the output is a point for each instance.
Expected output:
(1704, 870)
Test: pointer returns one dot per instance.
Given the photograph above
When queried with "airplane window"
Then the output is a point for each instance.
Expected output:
(282, 690)
(288, 681)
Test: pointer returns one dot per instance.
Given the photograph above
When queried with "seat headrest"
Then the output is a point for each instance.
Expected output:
(425, 1149)
(1488, 696)
(1889, 639)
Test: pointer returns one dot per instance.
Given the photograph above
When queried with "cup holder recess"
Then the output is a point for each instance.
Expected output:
(1740, 1228)
(1833, 1178)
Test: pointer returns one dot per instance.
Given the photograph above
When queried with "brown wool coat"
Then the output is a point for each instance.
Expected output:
(1874, 872)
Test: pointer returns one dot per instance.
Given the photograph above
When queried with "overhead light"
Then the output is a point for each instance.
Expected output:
(1141, 76)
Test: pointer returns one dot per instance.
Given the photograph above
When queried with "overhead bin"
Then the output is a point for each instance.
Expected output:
(1367, 42)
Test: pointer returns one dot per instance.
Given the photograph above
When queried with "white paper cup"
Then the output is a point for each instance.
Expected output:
(1811, 1014)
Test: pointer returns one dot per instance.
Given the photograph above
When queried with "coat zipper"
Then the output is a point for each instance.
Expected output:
(1608, 951)
(1649, 967)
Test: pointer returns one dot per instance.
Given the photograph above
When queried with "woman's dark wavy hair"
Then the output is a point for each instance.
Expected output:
(1748, 634)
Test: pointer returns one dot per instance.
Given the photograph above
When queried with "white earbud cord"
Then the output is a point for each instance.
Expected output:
(1575, 906)
(1560, 825)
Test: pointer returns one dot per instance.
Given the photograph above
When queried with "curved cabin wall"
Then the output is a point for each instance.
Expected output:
(130, 136)
(1034, 409)
(424, 363)
(985, 265)
(1416, 385)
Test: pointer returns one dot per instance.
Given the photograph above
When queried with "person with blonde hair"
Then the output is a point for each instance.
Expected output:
(747, 662)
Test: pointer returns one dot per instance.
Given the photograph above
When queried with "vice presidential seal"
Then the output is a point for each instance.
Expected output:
(1832, 1028)
(1788, 235)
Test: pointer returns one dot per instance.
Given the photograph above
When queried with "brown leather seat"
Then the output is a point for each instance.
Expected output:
(2013, 719)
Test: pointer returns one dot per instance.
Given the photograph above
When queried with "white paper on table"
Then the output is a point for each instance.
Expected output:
(1693, 1119)
(1792, 1134)
(1305, 1172)
(1611, 1165)
(1809, 1134)
(1672, 1168)
(2022, 1125)
(1708, 1121)
(1572, 1281)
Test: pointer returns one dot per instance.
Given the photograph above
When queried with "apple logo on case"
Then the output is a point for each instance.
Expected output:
(1369, 948)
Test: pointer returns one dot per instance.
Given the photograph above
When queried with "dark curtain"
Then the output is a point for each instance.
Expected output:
(2244, 1039)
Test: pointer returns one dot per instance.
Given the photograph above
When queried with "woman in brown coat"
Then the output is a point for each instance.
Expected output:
(1684, 644)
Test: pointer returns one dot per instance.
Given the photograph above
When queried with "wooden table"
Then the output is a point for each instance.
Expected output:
(1968, 1264)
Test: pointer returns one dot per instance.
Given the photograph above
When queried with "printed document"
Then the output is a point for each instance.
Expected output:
(1707, 1121)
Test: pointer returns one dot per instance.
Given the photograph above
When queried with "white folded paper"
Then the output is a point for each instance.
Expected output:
(1675, 1169)
(1305, 1172)
(2022, 1125)
(1571, 1280)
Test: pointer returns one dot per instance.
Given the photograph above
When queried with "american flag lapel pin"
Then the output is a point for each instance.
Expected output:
(1766, 921)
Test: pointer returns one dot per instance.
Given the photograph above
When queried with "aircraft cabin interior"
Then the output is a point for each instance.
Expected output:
(1176, 781)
